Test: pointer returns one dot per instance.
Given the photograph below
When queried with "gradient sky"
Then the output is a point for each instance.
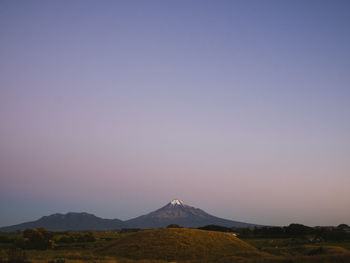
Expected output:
(241, 108)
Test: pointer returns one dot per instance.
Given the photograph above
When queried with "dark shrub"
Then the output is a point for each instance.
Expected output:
(174, 226)
(60, 260)
(216, 228)
(297, 230)
(87, 237)
(38, 238)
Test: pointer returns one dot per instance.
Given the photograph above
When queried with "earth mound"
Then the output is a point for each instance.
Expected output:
(179, 244)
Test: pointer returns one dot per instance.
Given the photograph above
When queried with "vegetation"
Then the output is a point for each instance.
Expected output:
(316, 234)
(292, 244)
(175, 244)
(75, 237)
(174, 226)
(38, 238)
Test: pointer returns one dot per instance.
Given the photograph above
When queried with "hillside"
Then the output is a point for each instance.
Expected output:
(69, 221)
(179, 244)
(177, 212)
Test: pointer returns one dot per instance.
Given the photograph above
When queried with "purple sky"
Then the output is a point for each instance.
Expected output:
(241, 108)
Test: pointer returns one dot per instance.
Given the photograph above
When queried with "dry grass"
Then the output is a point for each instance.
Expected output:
(180, 244)
(191, 246)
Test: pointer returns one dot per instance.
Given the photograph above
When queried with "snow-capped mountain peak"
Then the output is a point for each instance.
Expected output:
(177, 202)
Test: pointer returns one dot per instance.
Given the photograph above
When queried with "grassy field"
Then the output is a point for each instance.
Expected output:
(280, 246)
(180, 245)
(302, 250)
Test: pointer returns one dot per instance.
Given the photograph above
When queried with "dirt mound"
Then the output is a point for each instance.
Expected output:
(179, 244)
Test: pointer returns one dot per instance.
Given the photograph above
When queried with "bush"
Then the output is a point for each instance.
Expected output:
(76, 237)
(38, 238)
(174, 226)
(66, 239)
(129, 230)
(298, 230)
(88, 237)
(19, 242)
(216, 228)
(5, 239)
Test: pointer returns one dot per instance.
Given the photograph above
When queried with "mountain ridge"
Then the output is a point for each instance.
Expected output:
(175, 212)
(76, 221)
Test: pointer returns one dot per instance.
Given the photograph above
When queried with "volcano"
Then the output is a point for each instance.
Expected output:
(177, 212)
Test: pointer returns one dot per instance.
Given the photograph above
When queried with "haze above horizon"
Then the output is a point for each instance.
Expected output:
(240, 108)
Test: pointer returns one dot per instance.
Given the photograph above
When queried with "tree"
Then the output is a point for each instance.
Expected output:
(37, 238)
(298, 230)
(216, 228)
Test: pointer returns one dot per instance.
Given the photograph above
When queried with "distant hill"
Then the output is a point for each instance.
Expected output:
(175, 212)
(180, 244)
(69, 221)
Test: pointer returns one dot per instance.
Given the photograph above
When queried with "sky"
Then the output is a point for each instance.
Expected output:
(240, 108)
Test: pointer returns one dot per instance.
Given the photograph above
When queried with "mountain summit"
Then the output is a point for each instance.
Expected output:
(177, 202)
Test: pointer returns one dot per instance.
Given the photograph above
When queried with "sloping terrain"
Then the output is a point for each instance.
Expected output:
(69, 221)
(179, 244)
(176, 212)
(312, 250)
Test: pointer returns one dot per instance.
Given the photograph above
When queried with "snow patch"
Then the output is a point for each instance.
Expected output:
(177, 202)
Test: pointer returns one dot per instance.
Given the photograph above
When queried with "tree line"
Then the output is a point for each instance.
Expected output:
(340, 233)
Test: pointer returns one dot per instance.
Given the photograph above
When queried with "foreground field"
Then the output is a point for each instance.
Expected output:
(295, 250)
(179, 244)
(173, 245)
